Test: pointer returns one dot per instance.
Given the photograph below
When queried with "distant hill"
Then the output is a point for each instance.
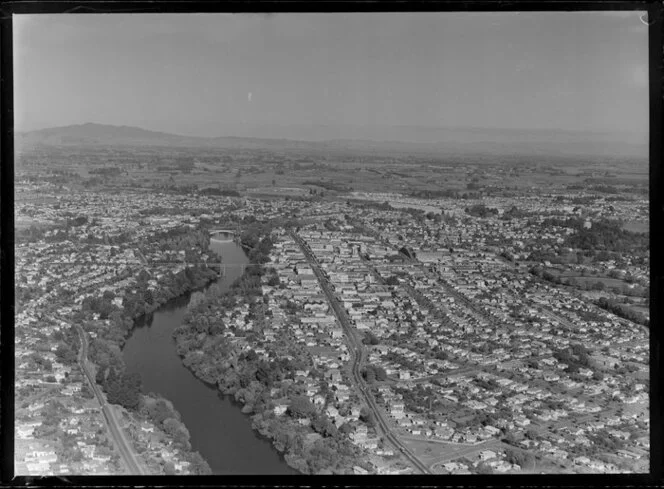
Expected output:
(91, 134)
(404, 139)
(100, 134)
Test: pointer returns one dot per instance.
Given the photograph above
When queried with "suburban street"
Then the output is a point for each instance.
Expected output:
(357, 353)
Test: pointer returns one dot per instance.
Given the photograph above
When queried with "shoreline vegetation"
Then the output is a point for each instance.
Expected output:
(138, 305)
(307, 440)
(217, 352)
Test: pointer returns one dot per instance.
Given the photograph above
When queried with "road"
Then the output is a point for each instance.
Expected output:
(357, 355)
(464, 450)
(422, 300)
(125, 448)
(476, 310)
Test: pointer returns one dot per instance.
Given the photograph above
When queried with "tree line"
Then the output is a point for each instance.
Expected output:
(251, 379)
(623, 311)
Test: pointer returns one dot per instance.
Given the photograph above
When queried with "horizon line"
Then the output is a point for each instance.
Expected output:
(337, 126)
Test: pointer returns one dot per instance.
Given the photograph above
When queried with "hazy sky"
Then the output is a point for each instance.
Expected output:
(209, 73)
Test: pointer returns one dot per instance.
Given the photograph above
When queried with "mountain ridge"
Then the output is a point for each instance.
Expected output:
(431, 140)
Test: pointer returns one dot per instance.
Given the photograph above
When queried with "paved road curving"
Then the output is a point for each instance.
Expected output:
(357, 351)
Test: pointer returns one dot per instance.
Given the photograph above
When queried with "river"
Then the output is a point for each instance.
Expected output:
(219, 430)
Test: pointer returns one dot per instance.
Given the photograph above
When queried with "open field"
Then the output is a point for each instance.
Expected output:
(436, 452)
(587, 279)
(331, 168)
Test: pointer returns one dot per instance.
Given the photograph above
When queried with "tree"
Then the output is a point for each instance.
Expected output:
(369, 375)
(525, 461)
(65, 354)
(123, 389)
(367, 416)
(143, 276)
(301, 407)
(177, 431)
(324, 426)
(148, 297)
(381, 374)
(198, 464)
(372, 373)
(197, 298)
(531, 434)
(599, 285)
(158, 411)
(392, 280)
(370, 339)
(86, 392)
(510, 439)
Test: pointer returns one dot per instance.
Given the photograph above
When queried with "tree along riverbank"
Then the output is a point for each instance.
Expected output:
(221, 353)
(112, 325)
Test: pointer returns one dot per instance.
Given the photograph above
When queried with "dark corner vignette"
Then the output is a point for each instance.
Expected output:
(365, 271)
(656, 47)
(6, 249)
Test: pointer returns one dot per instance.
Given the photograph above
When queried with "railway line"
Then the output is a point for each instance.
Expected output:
(110, 418)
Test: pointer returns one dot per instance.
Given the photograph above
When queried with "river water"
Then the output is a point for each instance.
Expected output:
(219, 431)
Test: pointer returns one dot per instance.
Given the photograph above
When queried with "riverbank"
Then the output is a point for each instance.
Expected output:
(310, 447)
(155, 425)
(262, 430)
(219, 430)
(203, 278)
(220, 341)
(246, 411)
(143, 317)
(110, 325)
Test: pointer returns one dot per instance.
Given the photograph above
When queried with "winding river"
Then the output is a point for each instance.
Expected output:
(218, 429)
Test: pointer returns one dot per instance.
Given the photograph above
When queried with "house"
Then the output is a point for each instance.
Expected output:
(333, 375)
(360, 433)
(397, 409)
(443, 433)
(24, 432)
(280, 408)
(336, 333)
(341, 396)
(487, 455)
(369, 444)
(332, 411)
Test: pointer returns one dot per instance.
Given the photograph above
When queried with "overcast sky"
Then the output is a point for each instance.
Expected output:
(219, 74)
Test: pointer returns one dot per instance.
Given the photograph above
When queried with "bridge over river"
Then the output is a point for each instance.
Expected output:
(223, 235)
(220, 237)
